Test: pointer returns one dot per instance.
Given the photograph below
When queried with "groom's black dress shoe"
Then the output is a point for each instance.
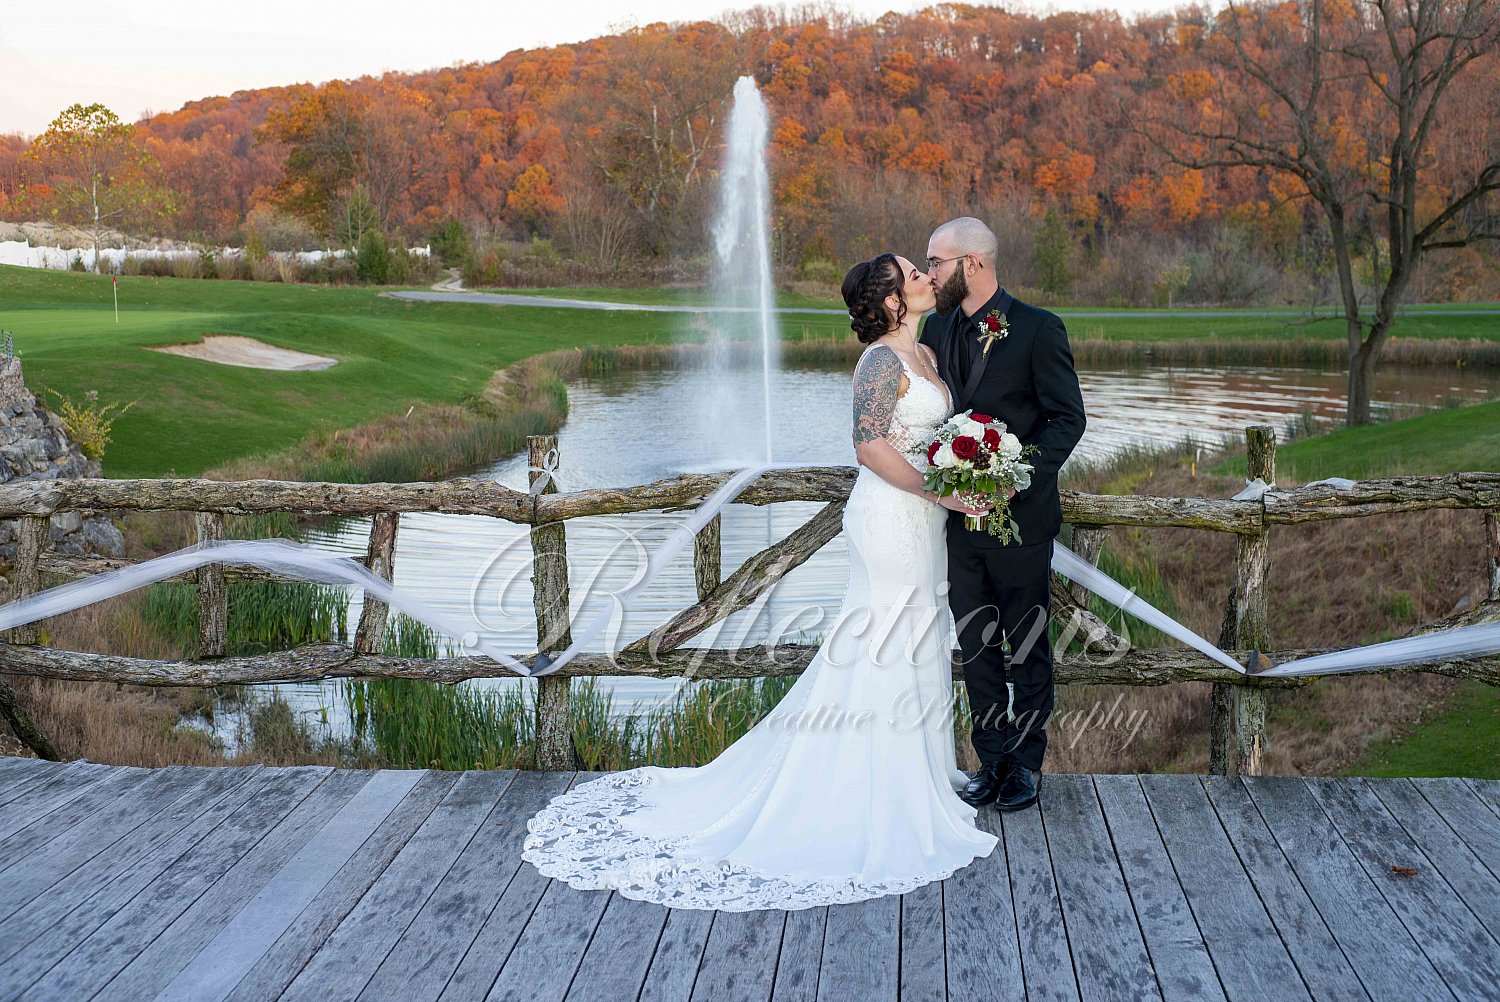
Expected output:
(1020, 789)
(984, 786)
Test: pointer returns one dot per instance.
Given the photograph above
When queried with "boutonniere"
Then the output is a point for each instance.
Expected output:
(993, 327)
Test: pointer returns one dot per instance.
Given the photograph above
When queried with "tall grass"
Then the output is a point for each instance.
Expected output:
(412, 724)
(264, 616)
(428, 725)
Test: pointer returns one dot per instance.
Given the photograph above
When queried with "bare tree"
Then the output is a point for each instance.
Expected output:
(1382, 110)
(598, 226)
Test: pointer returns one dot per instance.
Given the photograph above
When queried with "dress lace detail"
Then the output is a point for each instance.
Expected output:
(795, 815)
(917, 414)
(580, 838)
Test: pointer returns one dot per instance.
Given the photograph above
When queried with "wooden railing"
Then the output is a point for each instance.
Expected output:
(1239, 701)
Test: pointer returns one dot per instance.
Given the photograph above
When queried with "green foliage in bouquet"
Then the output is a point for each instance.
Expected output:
(975, 486)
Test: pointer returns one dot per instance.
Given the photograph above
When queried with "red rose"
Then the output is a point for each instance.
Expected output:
(993, 323)
(965, 447)
(991, 439)
(933, 448)
(981, 418)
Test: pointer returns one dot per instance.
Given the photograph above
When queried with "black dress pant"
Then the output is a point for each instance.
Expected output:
(1001, 595)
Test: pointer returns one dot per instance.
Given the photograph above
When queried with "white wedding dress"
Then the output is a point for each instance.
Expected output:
(848, 789)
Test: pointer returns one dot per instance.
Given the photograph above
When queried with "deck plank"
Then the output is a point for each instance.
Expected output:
(65, 799)
(197, 928)
(1180, 957)
(739, 959)
(12, 766)
(1314, 949)
(497, 937)
(1109, 951)
(1487, 790)
(251, 883)
(1462, 810)
(979, 925)
(51, 862)
(16, 781)
(305, 935)
(861, 950)
(1389, 963)
(801, 956)
(1454, 939)
(353, 952)
(1046, 961)
(924, 966)
(1246, 947)
(679, 954)
(37, 938)
(1463, 868)
(117, 863)
(619, 954)
(240, 942)
(554, 940)
(430, 951)
(93, 962)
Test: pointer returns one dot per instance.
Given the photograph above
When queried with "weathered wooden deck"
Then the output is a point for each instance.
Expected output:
(310, 883)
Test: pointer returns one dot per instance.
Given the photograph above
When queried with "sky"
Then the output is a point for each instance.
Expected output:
(156, 55)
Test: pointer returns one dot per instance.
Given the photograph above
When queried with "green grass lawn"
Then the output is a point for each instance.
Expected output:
(190, 414)
(1458, 439)
(1462, 740)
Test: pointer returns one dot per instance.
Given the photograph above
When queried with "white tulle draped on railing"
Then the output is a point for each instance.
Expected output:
(301, 561)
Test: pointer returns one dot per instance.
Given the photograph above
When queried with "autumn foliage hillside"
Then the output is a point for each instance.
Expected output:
(609, 149)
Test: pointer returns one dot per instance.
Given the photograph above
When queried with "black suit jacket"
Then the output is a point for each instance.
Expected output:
(1028, 381)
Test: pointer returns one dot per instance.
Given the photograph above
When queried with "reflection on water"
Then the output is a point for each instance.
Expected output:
(636, 427)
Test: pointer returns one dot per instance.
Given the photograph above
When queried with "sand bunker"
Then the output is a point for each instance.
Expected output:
(231, 349)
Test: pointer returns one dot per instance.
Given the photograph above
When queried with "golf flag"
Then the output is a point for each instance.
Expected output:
(114, 280)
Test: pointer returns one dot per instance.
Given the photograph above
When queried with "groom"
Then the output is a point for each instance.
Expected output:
(1002, 591)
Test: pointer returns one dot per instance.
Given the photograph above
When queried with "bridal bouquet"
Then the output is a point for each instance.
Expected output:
(974, 457)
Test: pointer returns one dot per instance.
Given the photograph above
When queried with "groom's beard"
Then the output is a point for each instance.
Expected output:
(953, 291)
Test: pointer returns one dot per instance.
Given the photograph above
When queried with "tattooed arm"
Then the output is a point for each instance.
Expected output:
(877, 387)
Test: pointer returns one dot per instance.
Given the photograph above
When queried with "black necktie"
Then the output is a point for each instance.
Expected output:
(965, 356)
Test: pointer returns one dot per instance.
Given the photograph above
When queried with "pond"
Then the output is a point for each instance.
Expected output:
(636, 427)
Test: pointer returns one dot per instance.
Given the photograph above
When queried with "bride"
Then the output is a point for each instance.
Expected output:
(848, 789)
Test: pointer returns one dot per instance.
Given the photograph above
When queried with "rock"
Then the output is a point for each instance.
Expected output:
(66, 521)
(103, 537)
(34, 445)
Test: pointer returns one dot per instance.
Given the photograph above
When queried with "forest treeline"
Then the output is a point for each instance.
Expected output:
(1066, 132)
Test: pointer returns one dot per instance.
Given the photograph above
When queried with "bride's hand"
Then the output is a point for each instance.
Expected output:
(952, 503)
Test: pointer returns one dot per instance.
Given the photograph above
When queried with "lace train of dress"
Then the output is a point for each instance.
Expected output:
(848, 789)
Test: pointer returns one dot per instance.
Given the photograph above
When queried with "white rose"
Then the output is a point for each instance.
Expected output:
(972, 428)
(944, 458)
(1010, 446)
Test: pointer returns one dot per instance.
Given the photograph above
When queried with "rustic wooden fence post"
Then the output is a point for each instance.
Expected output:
(213, 596)
(380, 558)
(708, 559)
(1237, 734)
(1088, 543)
(549, 577)
(26, 579)
(1492, 546)
(26, 571)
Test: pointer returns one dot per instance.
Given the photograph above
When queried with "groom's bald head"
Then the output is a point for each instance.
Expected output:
(961, 264)
(965, 235)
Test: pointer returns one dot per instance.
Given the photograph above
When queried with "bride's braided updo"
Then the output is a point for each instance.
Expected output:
(865, 289)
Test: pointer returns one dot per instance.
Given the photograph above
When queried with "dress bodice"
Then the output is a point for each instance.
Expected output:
(917, 414)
